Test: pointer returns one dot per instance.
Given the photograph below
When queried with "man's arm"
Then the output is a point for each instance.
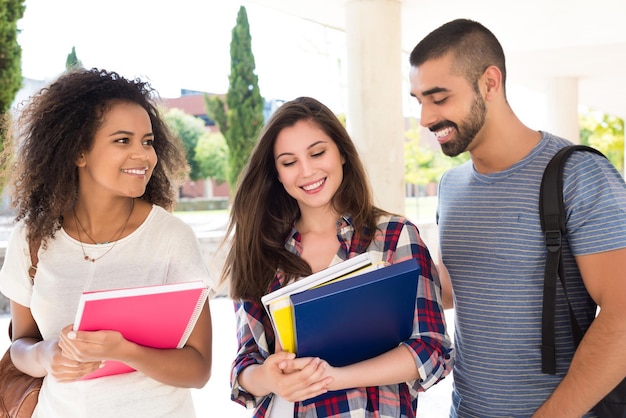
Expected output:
(446, 285)
(599, 363)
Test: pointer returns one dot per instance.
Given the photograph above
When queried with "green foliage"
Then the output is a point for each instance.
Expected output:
(72, 60)
(10, 59)
(423, 164)
(189, 129)
(10, 52)
(240, 117)
(342, 118)
(211, 156)
(605, 133)
(418, 161)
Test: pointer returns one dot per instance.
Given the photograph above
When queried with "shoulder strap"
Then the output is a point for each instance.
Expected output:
(552, 216)
(33, 246)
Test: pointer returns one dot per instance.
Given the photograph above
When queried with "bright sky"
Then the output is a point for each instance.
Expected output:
(183, 44)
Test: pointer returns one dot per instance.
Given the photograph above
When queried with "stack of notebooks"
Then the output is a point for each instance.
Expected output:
(349, 312)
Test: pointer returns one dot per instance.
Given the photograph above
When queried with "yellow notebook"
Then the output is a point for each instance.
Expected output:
(281, 312)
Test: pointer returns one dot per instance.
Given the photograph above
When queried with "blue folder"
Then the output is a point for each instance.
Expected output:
(359, 317)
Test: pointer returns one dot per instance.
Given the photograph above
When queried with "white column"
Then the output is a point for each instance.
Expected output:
(562, 108)
(374, 114)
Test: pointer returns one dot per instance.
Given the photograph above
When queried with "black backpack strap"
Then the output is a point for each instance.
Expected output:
(552, 216)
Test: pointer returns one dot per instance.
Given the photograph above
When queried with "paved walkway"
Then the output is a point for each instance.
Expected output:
(214, 399)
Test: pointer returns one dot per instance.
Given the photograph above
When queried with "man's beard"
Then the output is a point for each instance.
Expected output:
(467, 130)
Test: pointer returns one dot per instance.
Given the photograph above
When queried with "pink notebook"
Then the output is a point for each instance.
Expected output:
(160, 316)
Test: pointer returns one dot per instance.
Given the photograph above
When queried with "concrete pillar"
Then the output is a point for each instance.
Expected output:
(562, 108)
(374, 117)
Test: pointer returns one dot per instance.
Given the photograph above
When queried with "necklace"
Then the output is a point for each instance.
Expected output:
(114, 239)
(87, 233)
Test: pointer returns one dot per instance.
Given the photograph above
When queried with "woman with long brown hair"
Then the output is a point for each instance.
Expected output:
(302, 205)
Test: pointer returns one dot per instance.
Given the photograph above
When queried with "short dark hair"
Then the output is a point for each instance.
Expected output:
(474, 47)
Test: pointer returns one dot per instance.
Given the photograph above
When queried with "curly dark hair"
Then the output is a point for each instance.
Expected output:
(58, 124)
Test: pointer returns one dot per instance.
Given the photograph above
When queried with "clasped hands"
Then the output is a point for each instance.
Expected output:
(78, 353)
(297, 379)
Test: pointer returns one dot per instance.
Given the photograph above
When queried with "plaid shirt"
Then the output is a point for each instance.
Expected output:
(396, 240)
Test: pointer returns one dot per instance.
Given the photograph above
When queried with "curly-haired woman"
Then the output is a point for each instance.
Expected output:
(93, 205)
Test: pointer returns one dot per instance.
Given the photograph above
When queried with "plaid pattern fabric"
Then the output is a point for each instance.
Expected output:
(396, 240)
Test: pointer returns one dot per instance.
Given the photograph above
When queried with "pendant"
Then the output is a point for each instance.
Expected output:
(87, 258)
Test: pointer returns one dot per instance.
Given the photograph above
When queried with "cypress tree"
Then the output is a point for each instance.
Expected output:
(72, 60)
(240, 118)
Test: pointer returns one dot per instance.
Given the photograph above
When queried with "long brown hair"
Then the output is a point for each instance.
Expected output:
(263, 213)
(58, 124)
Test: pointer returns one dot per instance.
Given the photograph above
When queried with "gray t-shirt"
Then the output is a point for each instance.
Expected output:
(493, 247)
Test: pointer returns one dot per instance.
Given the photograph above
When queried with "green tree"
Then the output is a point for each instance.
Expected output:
(418, 160)
(10, 57)
(212, 156)
(189, 129)
(423, 164)
(240, 117)
(605, 133)
(72, 60)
